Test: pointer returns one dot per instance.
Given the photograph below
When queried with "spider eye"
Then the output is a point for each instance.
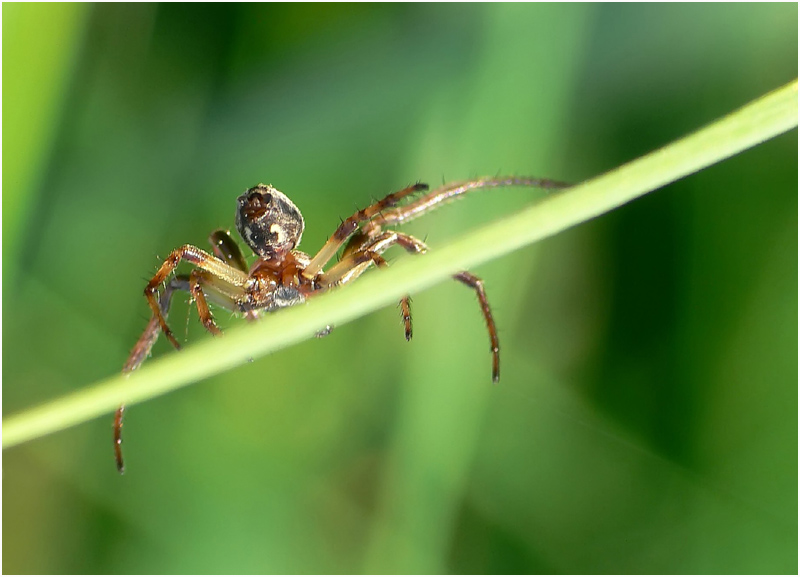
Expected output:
(254, 197)
(258, 198)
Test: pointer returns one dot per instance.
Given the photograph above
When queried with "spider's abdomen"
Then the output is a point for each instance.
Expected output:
(268, 221)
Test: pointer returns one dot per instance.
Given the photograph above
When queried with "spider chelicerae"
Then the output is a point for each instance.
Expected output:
(283, 276)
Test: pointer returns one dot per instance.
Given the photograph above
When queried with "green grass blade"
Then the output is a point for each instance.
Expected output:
(756, 122)
(33, 100)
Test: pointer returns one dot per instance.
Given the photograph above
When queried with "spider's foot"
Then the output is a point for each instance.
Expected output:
(118, 439)
(171, 338)
(405, 311)
(495, 366)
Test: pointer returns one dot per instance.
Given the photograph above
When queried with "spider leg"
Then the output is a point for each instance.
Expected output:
(369, 239)
(140, 352)
(196, 283)
(351, 224)
(142, 348)
(357, 260)
(450, 191)
(351, 267)
(405, 312)
(195, 279)
(201, 259)
(474, 282)
(355, 263)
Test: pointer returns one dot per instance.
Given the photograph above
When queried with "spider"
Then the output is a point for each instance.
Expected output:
(282, 276)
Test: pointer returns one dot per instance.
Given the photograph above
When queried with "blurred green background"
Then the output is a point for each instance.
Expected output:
(646, 420)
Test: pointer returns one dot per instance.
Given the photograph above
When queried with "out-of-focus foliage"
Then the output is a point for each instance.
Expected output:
(647, 416)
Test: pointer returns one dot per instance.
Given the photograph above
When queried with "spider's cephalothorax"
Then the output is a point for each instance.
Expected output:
(282, 276)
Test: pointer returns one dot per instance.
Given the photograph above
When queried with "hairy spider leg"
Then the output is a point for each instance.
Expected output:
(381, 213)
(354, 263)
(195, 280)
(450, 191)
(197, 283)
(140, 352)
(351, 224)
(142, 348)
(357, 260)
(438, 196)
(354, 266)
(202, 260)
(405, 314)
(476, 283)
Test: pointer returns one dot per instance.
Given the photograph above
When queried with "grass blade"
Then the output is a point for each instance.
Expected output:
(756, 122)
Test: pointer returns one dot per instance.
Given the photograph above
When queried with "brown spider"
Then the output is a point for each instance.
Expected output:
(282, 276)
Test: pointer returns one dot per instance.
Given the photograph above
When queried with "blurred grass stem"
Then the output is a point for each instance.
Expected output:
(756, 122)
